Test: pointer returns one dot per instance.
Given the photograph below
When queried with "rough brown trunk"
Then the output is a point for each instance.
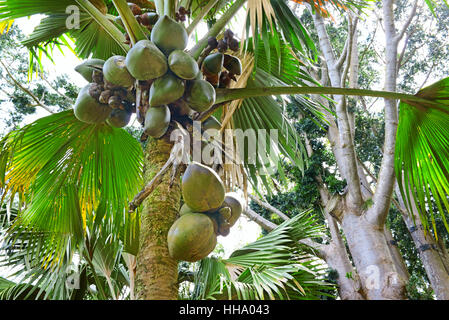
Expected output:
(157, 272)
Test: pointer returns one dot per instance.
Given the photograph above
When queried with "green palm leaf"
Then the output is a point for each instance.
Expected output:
(63, 168)
(422, 153)
(276, 267)
(96, 35)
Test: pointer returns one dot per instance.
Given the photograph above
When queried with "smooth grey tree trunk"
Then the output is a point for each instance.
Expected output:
(379, 267)
(433, 255)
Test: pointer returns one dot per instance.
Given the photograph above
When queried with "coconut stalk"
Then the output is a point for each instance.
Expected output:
(132, 27)
(170, 8)
(159, 7)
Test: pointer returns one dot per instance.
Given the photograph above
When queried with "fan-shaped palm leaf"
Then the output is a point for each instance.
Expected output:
(422, 153)
(59, 164)
(275, 266)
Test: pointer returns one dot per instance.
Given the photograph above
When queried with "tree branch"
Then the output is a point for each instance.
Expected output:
(401, 33)
(261, 221)
(56, 90)
(25, 90)
(344, 54)
(269, 207)
(347, 151)
(378, 212)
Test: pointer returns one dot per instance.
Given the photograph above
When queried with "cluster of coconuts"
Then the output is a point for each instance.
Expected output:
(176, 84)
(207, 212)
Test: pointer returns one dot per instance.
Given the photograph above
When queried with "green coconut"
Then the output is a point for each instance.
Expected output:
(183, 65)
(116, 73)
(211, 123)
(119, 118)
(192, 237)
(213, 63)
(225, 212)
(166, 89)
(232, 201)
(185, 209)
(233, 64)
(202, 188)
(168, 35)
(87, 67)
(157, 121)
(89, 110)
(200, 95)
(145, 61)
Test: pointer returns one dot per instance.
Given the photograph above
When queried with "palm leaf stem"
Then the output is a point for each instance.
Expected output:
(195, 52)
(224, 95)
(94, 273)
(159, 7)
(205, 10)
(132, 27)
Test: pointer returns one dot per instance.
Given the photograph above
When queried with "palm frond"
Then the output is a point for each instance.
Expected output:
(94, 37)
(5, 26)
(433, 4)
(422, 153)
(275, 267)
(267, 113)
(62, 169)
(322, 6)
(272, 22)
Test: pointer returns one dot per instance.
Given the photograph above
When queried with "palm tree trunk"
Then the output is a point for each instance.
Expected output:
(157, 272)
